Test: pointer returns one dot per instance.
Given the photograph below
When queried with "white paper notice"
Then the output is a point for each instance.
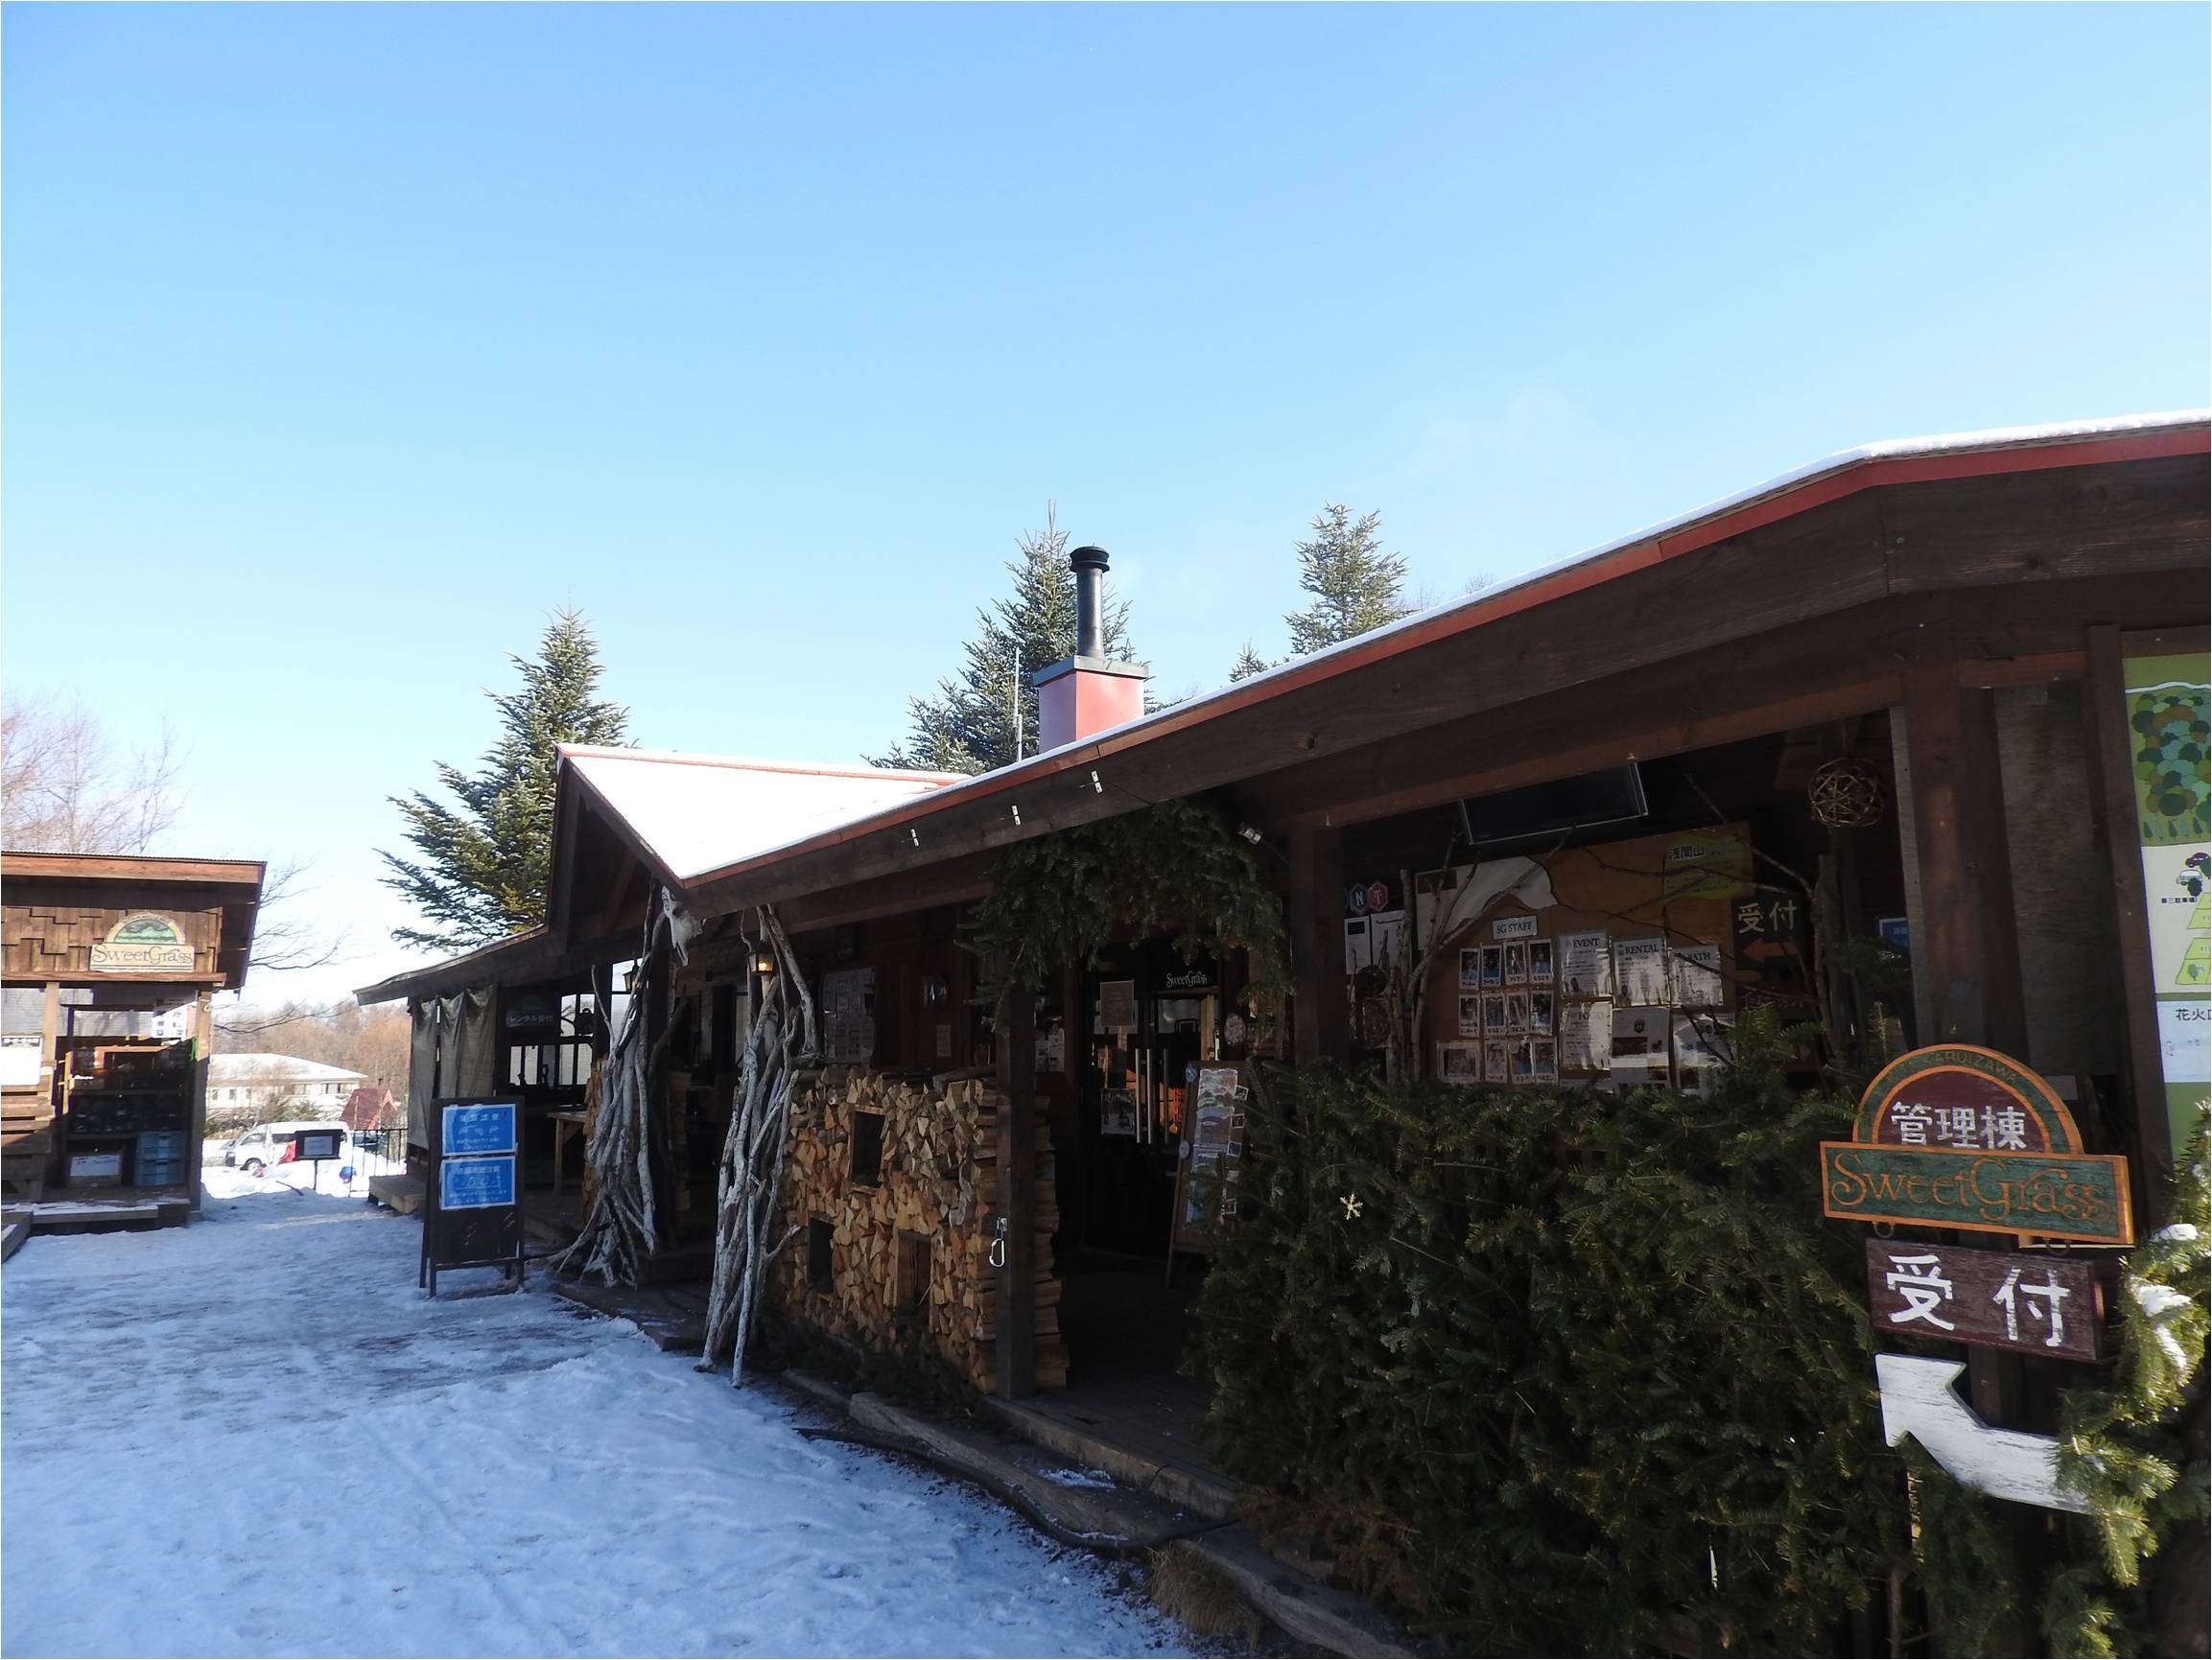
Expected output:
(1584, 965)
(1586, 1037)
(1640, 971)
(1697, 972)
(1639, 1046)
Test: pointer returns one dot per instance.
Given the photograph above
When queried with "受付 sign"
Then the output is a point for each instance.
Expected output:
(1960, 1136)
(2034, 1303)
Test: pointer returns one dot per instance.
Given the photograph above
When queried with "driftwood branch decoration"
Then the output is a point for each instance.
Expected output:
(754, 1153)
(620, 1232)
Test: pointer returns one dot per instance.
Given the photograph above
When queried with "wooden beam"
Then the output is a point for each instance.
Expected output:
(2099, 521)
(131, 868)
(1016, 1219)
(1320, 1018)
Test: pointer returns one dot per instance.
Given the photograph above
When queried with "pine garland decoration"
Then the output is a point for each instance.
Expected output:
(1582, 1375)
(2135, 1447)
(1062, 899)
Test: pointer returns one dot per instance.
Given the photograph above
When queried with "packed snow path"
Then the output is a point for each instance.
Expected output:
(255, 1437)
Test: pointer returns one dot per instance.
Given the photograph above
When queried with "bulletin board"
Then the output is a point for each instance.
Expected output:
(1212, 1142)
(1629, 976)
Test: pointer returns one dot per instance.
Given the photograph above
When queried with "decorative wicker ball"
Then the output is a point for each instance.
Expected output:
(1847, 793)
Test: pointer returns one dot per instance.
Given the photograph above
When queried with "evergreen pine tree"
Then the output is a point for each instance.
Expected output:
(1353, 582)
(1248, 664)
(966, 724)
(485, 864)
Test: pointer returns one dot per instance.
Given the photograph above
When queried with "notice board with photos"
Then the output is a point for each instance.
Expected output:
(1629, 976)
(1209, 1158)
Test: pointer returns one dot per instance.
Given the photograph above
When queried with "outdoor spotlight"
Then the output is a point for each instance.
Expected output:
(1248, 834)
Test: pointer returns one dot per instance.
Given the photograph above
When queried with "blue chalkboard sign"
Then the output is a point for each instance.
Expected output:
(475, 1184)
(484, 1127)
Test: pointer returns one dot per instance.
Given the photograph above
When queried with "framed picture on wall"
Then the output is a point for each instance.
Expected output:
(1459, 1063)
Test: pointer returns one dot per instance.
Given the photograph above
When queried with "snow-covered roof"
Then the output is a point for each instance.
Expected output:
(694, 813)
(1948, 454)
(264, 1068)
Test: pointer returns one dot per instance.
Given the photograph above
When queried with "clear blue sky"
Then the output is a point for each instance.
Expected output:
(343, 343)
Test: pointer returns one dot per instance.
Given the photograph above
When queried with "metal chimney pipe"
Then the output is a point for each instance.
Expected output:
(1089, 567)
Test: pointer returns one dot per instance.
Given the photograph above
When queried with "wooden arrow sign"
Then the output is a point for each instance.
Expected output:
(1917, 1400)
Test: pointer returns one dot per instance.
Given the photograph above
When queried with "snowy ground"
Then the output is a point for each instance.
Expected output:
(255, 1437)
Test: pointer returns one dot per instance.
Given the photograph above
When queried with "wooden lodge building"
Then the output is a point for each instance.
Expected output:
(1880, 700)
(110, 962)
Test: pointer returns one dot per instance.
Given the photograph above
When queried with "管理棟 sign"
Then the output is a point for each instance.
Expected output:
(1959, 1136)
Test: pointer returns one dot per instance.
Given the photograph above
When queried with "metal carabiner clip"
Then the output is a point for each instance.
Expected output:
(998, 1246)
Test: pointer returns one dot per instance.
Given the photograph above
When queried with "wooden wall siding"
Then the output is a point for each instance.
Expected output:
(938, 1182)
(2061, 891)
(54, 942)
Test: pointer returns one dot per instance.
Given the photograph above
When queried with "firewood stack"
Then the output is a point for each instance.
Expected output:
(936, 1188)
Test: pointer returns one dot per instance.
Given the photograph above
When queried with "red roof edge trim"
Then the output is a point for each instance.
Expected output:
(1799, 496)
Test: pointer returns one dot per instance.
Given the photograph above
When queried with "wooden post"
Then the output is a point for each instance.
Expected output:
(1971, 958)
(1017, 1318)
(1972, 952)
(1321, 1021)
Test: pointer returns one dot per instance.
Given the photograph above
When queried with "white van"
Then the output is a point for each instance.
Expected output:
(265, 1144)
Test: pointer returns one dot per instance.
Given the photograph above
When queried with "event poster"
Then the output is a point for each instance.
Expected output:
(1584, 965)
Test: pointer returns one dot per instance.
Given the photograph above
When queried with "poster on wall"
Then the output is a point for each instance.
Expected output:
(2167, 703)
(1118, 1113)
(1640, 971)
(1584, 965)
(1459, 1063)
(1639, 1046)
(849, 1014)
(1697, 977)
(19, 1060)
(1470, 1017)
(1710, 865)
(1118, 1005)
(1701, 1052)
(1586, 1037)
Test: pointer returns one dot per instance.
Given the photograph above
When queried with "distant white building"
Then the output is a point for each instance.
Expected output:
(249, 1088)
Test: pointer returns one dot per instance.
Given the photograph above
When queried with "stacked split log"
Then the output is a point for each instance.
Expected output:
(936, 1188)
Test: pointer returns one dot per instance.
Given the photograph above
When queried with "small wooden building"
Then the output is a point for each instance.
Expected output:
(1882, 704)
(110, 965)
